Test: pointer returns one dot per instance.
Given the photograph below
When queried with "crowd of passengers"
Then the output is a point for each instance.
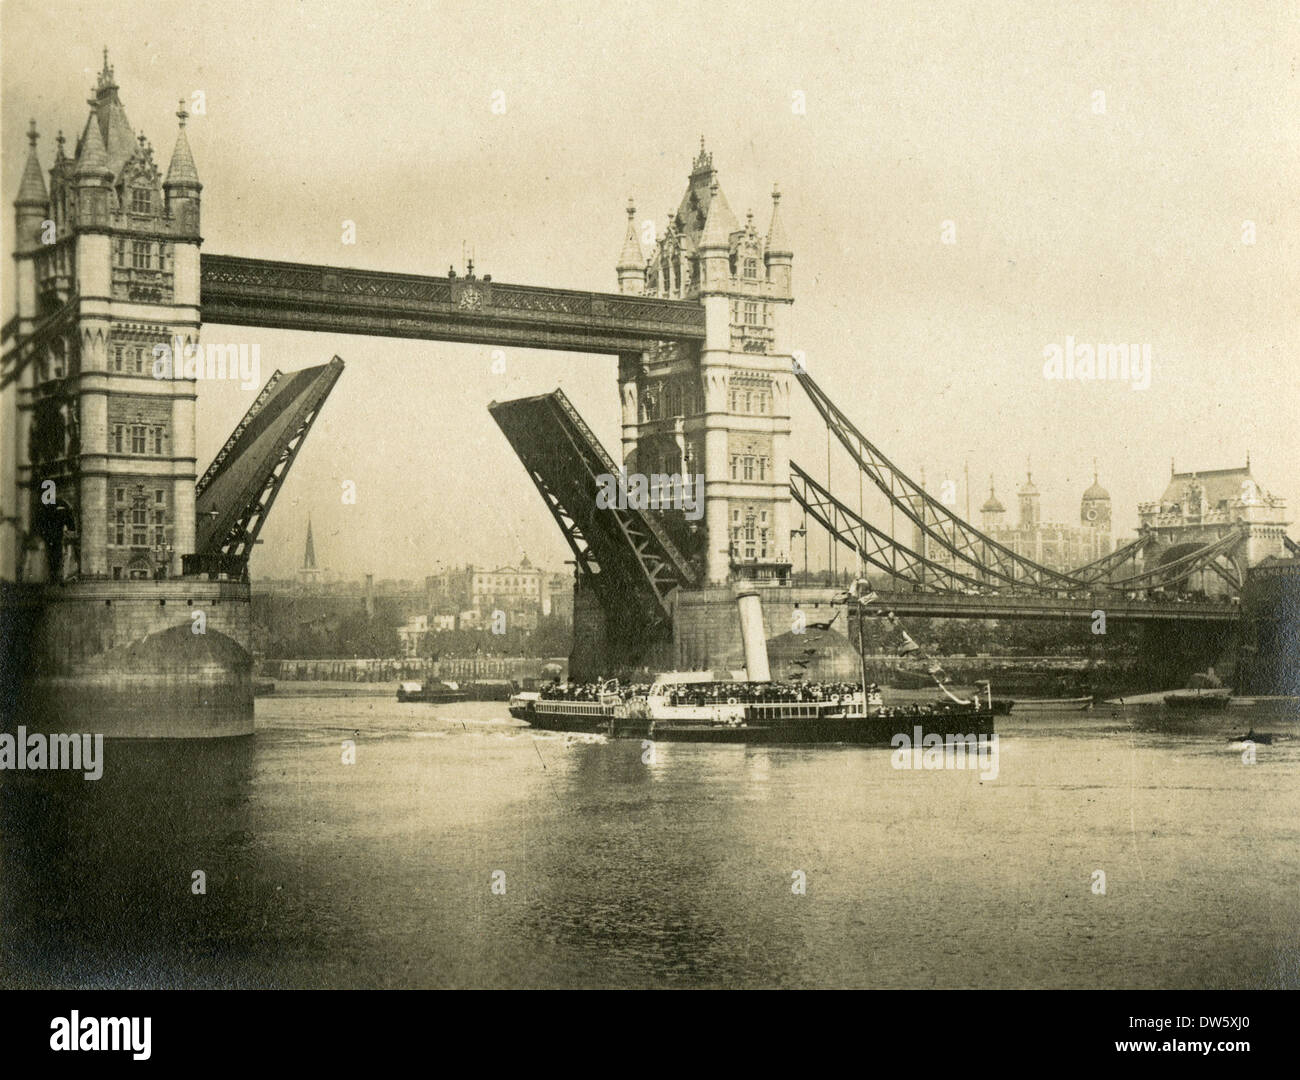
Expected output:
(761, 693)
(591, 691)
(714, 693)
(741, 693)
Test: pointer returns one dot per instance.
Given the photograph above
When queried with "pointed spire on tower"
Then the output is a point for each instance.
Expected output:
(777, 242)
(182, 169)
(720, 222)
(31, 191)
(106, 75)
(631, 257)
(93, 159)
(704, 162)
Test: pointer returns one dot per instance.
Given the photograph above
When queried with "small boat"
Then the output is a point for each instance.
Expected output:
(1000, 706)
(561, 708)
(438, 693)
(521, 704)
(1060, 704)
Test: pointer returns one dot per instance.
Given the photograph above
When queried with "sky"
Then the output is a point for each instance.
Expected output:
(1101, 168)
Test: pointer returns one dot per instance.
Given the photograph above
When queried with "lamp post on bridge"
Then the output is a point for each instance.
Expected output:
(803, 531)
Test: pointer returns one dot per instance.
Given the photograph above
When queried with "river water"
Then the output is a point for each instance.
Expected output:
(463, 849)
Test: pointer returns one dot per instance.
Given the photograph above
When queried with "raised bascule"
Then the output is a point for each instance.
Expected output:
(125, 571)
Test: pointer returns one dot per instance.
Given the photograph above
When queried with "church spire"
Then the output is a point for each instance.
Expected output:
(309, 554)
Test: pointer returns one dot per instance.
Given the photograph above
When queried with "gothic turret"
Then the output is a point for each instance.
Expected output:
(94, 177)
(1028, 496)
(631, 260)
(992, 510)
(182, 185)
(778, 255)
(1094, 508)
(32, 206)
(715, 241)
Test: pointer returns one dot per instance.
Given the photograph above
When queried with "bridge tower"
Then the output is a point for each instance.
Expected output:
(116, 246)
(720, 409)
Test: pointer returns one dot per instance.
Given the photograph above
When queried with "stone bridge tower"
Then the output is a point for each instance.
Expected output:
(103, 463)
(721, 410)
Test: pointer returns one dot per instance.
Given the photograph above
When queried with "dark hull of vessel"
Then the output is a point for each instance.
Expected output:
(587, 723)
(829, 730)
(1001, 706)
(432, 697)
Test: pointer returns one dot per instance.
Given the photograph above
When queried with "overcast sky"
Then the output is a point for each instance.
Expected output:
(1117, 226)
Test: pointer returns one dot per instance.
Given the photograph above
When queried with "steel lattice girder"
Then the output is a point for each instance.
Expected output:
(624, 553)
(238, 489)
(876, 547)
(957, 536)
(16, 358)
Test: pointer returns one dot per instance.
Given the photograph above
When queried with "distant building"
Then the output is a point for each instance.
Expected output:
(1198, 508)
(412, 634)
(525, 593)
(1055, 545)
(557, 597)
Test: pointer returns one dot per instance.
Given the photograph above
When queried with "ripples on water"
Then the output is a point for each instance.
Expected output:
(676, 872)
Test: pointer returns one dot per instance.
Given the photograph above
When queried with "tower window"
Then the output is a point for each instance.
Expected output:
(137, 439)
(118, 352)
(751, 314)
(158, 496)
(751, 269)
(119, 526)
(157, 440)
(139, 527)
(142, 255)
(141, 201)
(117, 449)
(139, 360)
(159, 532)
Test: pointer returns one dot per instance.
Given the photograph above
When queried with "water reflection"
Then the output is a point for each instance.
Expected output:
(96, 877)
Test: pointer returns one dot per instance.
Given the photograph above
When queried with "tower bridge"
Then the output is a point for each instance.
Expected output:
(100, 485)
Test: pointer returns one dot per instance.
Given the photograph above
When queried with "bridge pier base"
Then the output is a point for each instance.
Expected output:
(128, 659)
